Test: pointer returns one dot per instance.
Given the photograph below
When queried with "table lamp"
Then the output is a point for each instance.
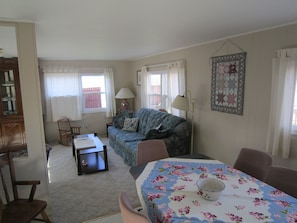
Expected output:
(124, 94)
(183, 103)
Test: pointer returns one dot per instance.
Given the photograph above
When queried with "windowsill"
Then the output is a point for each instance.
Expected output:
(94, 111)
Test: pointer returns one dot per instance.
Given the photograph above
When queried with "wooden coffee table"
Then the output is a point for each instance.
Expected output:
(90, 154)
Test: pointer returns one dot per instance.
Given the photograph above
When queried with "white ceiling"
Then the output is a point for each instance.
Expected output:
(131, 29)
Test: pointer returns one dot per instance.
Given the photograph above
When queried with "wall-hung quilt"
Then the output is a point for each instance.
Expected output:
(227, 83)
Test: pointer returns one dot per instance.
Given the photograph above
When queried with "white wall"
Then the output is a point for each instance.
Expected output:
(222, 135)
(32, 167)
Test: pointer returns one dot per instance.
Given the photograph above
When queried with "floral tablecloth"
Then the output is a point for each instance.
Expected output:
(167, 190)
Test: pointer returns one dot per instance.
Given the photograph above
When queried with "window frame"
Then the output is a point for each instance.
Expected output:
(163, 91)
(91, 110)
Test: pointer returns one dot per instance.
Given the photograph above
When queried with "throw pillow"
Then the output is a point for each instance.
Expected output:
(118, 121)
(131, 124)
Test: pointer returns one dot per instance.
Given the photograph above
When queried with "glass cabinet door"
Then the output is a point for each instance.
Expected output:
(8, 93)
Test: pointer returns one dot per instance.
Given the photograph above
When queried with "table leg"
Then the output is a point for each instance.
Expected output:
(97, 160)
(73, 147)
(107, 125)
(78, 163)
(105, 157)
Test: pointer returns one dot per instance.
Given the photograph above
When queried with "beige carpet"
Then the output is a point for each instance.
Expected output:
(75, 199)
(111, 218)
(115, 218)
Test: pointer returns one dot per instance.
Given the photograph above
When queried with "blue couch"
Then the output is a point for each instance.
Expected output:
(152, 124)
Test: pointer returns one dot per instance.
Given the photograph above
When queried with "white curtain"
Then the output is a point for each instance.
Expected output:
(66, 107)
(176, 84)
(144, 88)
(110, 95)
(282, 100)
(62, 95)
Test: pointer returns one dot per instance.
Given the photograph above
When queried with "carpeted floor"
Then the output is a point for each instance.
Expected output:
(75, 199)
(115, 218)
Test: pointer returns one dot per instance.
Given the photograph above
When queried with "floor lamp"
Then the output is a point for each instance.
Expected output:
(183, 103)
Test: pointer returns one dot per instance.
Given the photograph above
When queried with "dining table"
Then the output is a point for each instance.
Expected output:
(168, 192)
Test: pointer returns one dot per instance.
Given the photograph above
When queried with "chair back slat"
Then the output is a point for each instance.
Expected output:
(64, 124)
(12, 176)
(6, 161)
(4, 186)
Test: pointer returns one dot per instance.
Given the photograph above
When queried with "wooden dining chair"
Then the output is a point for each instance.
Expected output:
(253, 162)
(66, 131)
(282, 178)
(151, 150)
(18, 210)
(129, 215)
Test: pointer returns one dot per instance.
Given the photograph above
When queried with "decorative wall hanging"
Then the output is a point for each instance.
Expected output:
(227, 83)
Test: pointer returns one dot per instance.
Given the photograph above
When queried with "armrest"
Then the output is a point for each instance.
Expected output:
(33, 188)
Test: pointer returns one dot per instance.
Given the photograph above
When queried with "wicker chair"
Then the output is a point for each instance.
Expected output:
(67, 131)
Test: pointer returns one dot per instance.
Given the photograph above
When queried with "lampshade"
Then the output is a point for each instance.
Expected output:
(181, 102)
(124, 93)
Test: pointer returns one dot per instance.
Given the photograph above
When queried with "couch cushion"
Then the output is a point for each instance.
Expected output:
(131, 124)
(171, 121)
(149, 119)
(126, 136)
(129, 152)
(121, 136)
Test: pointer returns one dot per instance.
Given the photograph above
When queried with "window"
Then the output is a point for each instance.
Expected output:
(160, 85)
(70, 93)
(157, 93)
(93, 92)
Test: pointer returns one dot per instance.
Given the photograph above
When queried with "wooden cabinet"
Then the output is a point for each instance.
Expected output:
(11, 111)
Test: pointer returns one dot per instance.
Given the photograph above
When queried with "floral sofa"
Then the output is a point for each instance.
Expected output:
(130, 128)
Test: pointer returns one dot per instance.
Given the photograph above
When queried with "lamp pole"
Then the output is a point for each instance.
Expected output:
(192, 101)
(192, 132)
